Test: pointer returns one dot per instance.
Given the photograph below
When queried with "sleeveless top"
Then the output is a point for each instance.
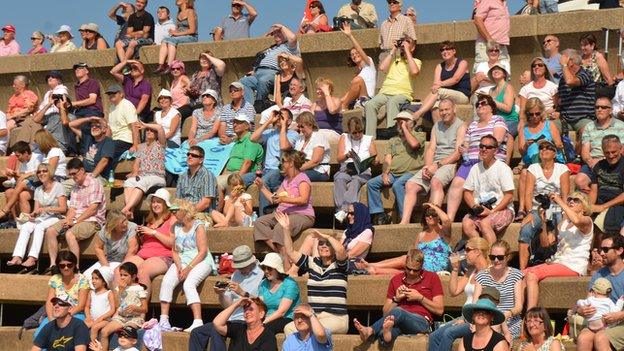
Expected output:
(445, 138)
(573, 247)
(494, 340)
(474, 134)
(183, 25)
(361, 147)
(166, 121)
(326, 120)
(593, 69)
(463, 85)
(545, 346)
(436, 254)
(532, 154)
(186, 244)
(179, 95)
(469, 289)
(204, 126)
(99, 304)
(513, 114)
(94, 45)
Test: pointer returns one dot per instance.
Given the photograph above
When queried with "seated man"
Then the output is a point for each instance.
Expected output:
(412, 299)
(441, 156)
(137, 89)
(198, 184)
(397, 88)
(404, 157)
(488, 192)
(122, 120)
(577, 94)
(606, 193)
(238, 106)
(266, 66)
(163, 26)
(244, 283)
(100, 148)
(22, 102)
(139, 32)
(296, 103)
(591, 149)
(65, 332)
(362, 14)
(85, 215)
(310, 335)
(236, 25)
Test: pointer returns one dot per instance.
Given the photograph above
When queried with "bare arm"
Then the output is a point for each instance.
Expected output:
(480, 24)
(116, 71)
(218, 64)
(459, 73)
(343, 154)
(220, 321)
(603, 65)
(99, 251)
(315, 160)
(251, 11)
(384, 65)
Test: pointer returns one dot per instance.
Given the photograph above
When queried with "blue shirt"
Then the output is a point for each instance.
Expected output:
(270, 138)
(554, 67)
(294, 343)
(617, 282)
(248, 283)
(288, 289)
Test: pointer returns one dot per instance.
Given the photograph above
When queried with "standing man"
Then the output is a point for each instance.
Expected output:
(310, 335)
(139, 32)
(88, 98)
(65, 332)
(395, 27)
(363, 14)
(123, 122)
(8, 44)
(236, 25)
(491, 17)
(198, 185)
(552, 57)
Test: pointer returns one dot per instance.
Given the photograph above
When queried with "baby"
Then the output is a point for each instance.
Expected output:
(598, 297)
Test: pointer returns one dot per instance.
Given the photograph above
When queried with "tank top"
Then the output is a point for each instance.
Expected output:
(99, 304)
(573, 247)
(445, 138)
(179, 95)
(463, 85)
(166, 121)
(200, 83)
(475, 132)
(183, 25)
(326, 120)
(593, 69)
(469, 289)
(93, 46)
(361, 147)
(494, 340)
(513, 114)
(186, 243)
(152, 247)
(532, 154)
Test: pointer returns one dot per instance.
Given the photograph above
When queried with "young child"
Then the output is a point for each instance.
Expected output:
(598, 297)
(131, 299)
(100, 305)
(126, 337)
(238, 209)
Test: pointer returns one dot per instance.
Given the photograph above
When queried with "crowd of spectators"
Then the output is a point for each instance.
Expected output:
(566, 119)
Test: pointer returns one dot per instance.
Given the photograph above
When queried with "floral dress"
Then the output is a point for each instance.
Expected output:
(436, 254)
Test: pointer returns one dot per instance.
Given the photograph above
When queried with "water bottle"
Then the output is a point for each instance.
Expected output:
(111, 178)
(215, 268)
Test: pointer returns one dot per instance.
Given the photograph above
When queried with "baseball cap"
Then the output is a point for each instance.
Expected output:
(546, 141)
(241, 118)
(63, 300)
(81, 65)
(127, 332)
(602, 286)
(54, 74)
(9, 28)
(115, 88)
(404, 115)
(490, 291)
(237, 85)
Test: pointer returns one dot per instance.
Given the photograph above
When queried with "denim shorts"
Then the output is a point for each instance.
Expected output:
(183, 39)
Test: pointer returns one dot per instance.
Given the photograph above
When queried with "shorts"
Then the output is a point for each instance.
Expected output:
(144, 182)
(512, 128)
(500, 220)
(183, 39)
(578, 125)
(444, 174)
(616, 336)
(456, 96)
(546, 270)
(81, 231)
(464, 169)
(140, 42)
(134, 321)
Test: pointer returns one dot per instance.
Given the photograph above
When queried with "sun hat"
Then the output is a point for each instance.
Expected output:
(490, 292)
(237, 85)
(211, 93)
(404, 115)
(37, 34)
(602, 286)
(499, 66)
(483, 305)
(242, 257)
(164, 93)
(274, 261)
(546, 141)
(92, 27)
(108, 276)
(162, 194)
(65, 28)
(241, 118)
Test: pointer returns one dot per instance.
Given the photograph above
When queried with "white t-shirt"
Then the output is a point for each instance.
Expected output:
(61, 166)
(546, 186)
(161, 31)
(31, 166)
(3, 126)
(165, 122)
(308, 149)
(603, 305)
(50, 199)
(545, 94)
(369, 75)
(490, 182)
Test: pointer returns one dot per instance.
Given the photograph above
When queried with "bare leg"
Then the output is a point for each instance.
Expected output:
(24, 201)
(12, 195)
(411, 193)
(171, 54)
(365, 332)
(454, 197)
(486, 230)
(237, 216)
(601, 341)
(427, 104)
(95, 329)
(356, 89)
(149, 269)
(52, 244)
(134, 198)
(396, 263)
(109, 329)
(469, 228)
(523, 175)
(585, 340)
(523, 255)
(72, 244)
(218, 218)
(386, 328)
(130, 49)
(119, 49)
(162, 54)
(532, 289)
(436, 195)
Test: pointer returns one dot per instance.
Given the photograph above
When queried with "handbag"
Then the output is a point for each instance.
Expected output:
(226, 264)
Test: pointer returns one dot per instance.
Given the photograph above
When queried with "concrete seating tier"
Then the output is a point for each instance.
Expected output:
(364, 292)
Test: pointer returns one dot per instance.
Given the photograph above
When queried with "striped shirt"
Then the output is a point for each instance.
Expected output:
(593, 135)
(228, 113)
(196, 187)
(270, 55)
(507, 294)
(577, 103)
(327, 286)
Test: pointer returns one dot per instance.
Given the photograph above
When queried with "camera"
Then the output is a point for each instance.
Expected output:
(339, 21)
(221, 285)
(543, 200)
(477, 210)
(57, 97)
(399, 43)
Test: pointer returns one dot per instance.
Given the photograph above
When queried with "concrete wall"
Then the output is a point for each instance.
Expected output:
(325, 54)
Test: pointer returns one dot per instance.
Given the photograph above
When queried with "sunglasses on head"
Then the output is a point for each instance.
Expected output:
(497, 257)
(605, 249)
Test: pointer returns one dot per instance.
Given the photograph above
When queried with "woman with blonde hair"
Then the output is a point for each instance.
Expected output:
(114, 244)
(314, 146)
(327, 110)
(52, 153)
(192, 263)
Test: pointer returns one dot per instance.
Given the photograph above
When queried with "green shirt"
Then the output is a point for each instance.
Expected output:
(593, 135)
(404, 158)
(245, 149)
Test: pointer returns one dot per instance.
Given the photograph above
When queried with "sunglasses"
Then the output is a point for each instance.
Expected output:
(176, 69)
(497, 257)
(605, 249)
(431, 215)
(66, 265)
(34, 38)
(546, 41)
(602, 107)
(534, 114)
(190, 154)
(392, 2)
(574, 200)
(73, 174)
(481, 103)
(323, 243)
(537, 65)
(494, 50)
(135, 68)
(42, 171)
(234, 90)
(445, 49)
(546, 147)
(413, 270)
(351, 213)
(60, 303)
(468, 249)
(487, 147)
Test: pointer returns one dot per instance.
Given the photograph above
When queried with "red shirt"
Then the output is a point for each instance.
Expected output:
(152, 247)
(429, 286)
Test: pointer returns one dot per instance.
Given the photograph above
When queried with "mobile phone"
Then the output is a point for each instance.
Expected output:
(221, 284)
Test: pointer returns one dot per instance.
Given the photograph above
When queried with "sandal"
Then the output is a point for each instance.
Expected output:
(49, 271)
(28, 270)
(520, 216)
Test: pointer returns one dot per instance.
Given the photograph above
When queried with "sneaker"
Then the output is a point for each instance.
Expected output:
(165, 325)
(9, 183)
(196, 324)
(340, 216)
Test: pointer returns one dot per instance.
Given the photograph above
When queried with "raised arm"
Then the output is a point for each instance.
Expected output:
(116, 71)
(284, 221)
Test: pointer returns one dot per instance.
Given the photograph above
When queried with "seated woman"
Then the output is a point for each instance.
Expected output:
(318, 21)
(432, 241)
(362, 86)
(67, 285)
(169, 119)
(192, 263)
(451, 80)
(211, 71)
(252, 334)
(480, 83)
(148, 169)
(91, 37)
(179, 86)
(483, 314)
(185, 32)
(594, 61)
(504, 95)
(279, 292)
(541, 87)
(476, 253)
(538, 331)
(294, 200)
(349, 180)
(574, 239)
(114, 244)
(154, 255)
(541, 180)
(205, 120)
(314, 147)
(50, 207)
(536, 126)
(327, 110)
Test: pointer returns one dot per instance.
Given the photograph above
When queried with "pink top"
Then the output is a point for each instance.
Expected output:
(23, 101)
(152, 247)
(292, 187)
(179, 95)
(495, 16)
(41, 50)
(11, 48)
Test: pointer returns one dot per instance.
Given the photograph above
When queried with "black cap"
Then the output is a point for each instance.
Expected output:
(81, 65)
(54, 74)
(128, 332)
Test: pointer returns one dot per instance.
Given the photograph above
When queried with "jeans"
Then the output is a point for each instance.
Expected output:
(404, 323)
(548, 6)
(398, 188)
(261, 82)
(272, 180)
(316, 176)
(442, 339)
(533, 228)
(201, 336)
